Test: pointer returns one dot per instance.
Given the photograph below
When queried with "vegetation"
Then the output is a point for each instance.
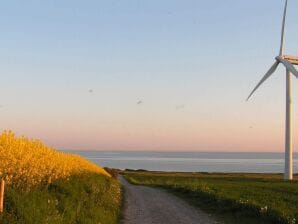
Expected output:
(47, 186)
(88, 198)
(26, 162)
(113, 172)
(236, 198)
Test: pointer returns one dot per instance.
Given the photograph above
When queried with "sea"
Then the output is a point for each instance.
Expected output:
(248, 162)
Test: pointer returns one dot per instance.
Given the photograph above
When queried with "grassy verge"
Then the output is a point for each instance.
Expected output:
(235, 198)
(88, 198)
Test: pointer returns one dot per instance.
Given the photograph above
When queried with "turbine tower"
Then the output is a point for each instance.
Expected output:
(288, 61)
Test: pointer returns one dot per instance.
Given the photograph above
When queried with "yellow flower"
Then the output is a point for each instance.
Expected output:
(26, 162)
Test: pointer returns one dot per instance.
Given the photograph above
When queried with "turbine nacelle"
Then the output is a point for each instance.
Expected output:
(288, 62)
(292, 59)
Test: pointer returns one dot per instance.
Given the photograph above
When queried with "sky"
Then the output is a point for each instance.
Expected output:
(166, 75)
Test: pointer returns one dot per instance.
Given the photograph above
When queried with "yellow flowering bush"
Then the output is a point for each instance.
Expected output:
(26, 162)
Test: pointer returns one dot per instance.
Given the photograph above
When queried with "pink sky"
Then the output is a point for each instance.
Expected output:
(192, 64)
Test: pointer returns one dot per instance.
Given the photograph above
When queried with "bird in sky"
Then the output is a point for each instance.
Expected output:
(180, 107)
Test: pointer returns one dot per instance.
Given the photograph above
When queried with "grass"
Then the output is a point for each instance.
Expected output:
(88, 198)
(234, 198)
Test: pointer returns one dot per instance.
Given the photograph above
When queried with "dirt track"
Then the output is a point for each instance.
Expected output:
(146, 205)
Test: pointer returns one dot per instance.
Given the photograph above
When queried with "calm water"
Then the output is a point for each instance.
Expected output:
(191, 161)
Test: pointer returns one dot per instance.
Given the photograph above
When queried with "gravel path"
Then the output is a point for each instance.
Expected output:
(146, 205)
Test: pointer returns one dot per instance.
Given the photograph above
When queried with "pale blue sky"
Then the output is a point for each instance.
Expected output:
(192, 63)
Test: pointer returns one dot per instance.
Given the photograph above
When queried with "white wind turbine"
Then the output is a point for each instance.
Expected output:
(288, 61)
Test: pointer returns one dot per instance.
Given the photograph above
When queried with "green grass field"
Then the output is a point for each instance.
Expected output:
(84, 199)
(233, 198)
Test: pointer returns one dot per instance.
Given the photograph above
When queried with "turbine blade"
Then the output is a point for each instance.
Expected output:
(266, 76)
(282, 41)
(288, 65)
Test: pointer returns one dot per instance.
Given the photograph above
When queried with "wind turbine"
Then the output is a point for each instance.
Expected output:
(288, 61)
